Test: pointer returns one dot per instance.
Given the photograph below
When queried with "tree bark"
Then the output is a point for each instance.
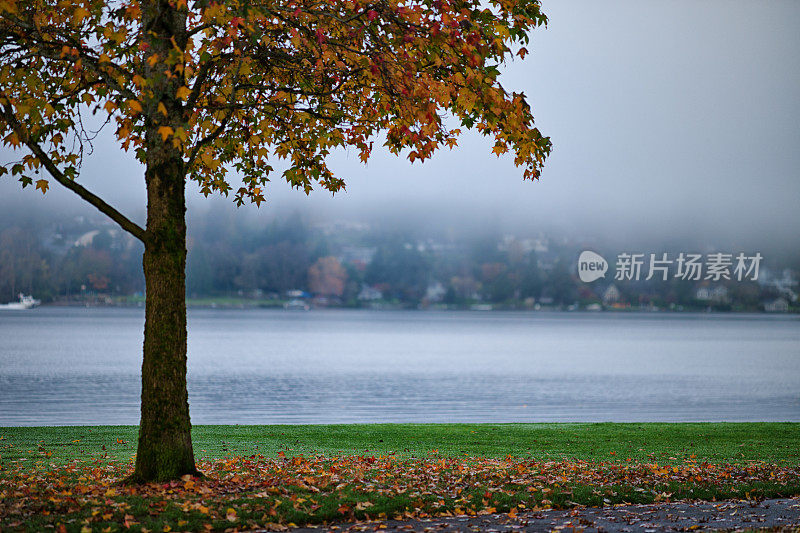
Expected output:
(165, 444)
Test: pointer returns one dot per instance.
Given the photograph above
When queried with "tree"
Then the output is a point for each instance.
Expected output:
(327, 277)
(276, 268)
(402, 269)
(199, 89)
(22, 264)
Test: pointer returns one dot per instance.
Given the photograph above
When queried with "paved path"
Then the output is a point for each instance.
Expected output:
(701, 516)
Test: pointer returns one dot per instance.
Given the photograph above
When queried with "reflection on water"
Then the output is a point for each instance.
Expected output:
(81, 366)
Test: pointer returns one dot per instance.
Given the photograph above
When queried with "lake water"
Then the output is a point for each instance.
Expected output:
(81, 366)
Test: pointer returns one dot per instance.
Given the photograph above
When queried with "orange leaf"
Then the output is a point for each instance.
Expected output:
(165, 132)
(80, 14)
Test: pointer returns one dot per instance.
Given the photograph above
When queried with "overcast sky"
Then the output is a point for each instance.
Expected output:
(668, 119)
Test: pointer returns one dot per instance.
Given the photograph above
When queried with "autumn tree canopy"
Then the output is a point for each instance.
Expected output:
(198, 90)
(259, 81)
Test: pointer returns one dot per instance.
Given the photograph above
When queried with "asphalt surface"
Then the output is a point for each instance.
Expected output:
(699, 516)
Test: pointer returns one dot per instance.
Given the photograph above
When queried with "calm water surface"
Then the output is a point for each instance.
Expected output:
(81, 366)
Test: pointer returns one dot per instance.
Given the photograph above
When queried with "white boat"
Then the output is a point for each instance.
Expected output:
(296, 305)
(25, 302)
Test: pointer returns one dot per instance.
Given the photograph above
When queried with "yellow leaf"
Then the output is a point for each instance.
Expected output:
(135, 106)
(80, 14)
(8, 6)
(165, 132)
(110, 106)
(162, 109)
(180, 133)
(43, 185)
(208, 160)
(183, 93)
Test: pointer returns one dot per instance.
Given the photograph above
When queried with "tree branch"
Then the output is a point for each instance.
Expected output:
(125, 223)
(51, 49)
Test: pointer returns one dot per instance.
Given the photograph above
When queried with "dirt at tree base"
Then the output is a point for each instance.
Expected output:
(783, 514)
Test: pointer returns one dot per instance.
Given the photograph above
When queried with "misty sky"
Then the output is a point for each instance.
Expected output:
(668, 120)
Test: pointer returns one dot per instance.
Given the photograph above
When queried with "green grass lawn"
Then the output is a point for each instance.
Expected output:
(712, 442)
(66, 479)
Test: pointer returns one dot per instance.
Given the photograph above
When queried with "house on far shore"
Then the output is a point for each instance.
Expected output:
(297, 294)
(779, 305)
(369, 294)
(718, 293)
(87, 238)
(435, 292)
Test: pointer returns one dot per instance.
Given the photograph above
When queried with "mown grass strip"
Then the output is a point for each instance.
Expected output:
(777, 443)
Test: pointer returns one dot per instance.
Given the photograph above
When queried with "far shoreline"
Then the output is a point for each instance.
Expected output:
(227, 304)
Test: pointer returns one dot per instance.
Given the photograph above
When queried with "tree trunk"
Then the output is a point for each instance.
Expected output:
(165, 444)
